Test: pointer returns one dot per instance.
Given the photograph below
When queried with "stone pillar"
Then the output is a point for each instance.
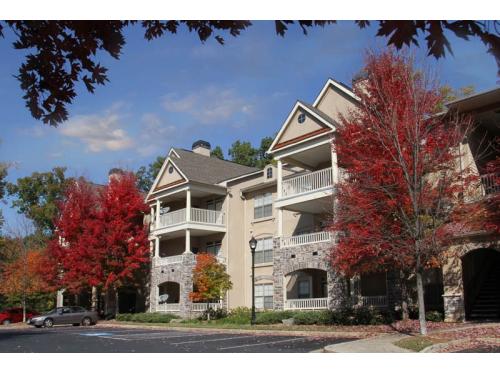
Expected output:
(453, 297)
(279, 289)
(336, 290)
(186, 283)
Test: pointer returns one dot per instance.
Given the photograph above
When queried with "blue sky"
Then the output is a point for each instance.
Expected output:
(173, 91)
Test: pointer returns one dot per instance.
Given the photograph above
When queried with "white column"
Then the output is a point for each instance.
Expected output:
(187, 250)
(279, 178)
(157, 247)
(158, 205)
(188, 205)
(335, 169)
(60, 298)
(152, 217)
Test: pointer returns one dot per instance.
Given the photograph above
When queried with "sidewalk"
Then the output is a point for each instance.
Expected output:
(379, 344)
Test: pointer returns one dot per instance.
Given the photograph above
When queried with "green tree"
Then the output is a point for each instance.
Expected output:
(243, 153)
(67, 52)
(37, 197)
(146, 175)
(217, 152)
(263, 158)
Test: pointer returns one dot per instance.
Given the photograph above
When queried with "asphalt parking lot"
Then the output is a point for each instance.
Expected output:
(96, 339)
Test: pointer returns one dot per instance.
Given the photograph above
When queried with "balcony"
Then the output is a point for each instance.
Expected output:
(490, 184)
(306, 304)
(176, 259)
(195, 307)
(305, 239)
(307, 183)
(198, 219)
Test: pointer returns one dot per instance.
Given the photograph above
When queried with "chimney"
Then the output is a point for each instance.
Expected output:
(201, 147)
(359, 81)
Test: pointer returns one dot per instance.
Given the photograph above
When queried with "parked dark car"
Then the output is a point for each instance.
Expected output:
(75, 315)
(15, 315)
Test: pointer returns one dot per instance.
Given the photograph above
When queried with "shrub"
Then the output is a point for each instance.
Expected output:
(146, 317)
(272, 317)
(434, 316)
(215, 314)
(238, 315)
(320, 317)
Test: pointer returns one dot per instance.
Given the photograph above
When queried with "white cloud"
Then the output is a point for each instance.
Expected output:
(99, 133)
(209, 105)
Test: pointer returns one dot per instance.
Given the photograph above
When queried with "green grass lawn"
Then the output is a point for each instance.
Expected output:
(418, 343)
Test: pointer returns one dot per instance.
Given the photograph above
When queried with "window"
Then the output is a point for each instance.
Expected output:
(269, 172)
(304, 289)
(263, 205)
(214, 205)
(171, 170)
(301, 118)
(264, 296)
(214, 247)
(264, 250)
(77, 309)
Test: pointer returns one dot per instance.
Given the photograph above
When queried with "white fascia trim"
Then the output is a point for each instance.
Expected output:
(336, 85)
(172, 151)
(292, 112)
(225, 182)
(174, 189)
(160, 173)
(299, 147)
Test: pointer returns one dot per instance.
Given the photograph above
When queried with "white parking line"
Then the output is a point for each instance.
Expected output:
(262, 343)
(220, 339)
(143, 337)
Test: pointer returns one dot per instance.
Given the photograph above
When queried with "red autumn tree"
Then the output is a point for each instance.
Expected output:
(24, 278)
(402, 187)
(210, 279)
(73, 258)
(102, 236)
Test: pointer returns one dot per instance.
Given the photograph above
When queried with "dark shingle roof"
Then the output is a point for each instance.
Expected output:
(208, 170)
(318, 112)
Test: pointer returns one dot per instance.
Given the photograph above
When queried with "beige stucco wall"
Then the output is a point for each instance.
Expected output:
(294, 129)
(334, 103)
(167, 177)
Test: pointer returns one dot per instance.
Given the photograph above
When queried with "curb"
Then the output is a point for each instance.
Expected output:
(353, 335)
(437, 347)
(378, 342)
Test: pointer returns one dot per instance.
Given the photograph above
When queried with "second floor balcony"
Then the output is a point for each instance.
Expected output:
(196, 218)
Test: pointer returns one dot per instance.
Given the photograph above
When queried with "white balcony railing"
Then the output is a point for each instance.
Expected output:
(304, 239)
(166, 307)
(375, 301)
(490, 183)
(202, 306)
(198, 215)
(306, 304)
(307, 183)
(165, 261)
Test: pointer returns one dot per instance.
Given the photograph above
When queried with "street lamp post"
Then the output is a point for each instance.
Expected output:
(253, 246)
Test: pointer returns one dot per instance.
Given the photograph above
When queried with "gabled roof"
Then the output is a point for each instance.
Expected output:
(337, 85)
(322, 117)
(205, 169)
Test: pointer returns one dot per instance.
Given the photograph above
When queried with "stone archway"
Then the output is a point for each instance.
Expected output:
(481, 284)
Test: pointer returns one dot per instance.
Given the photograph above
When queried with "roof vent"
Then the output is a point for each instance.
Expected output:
(201, 147)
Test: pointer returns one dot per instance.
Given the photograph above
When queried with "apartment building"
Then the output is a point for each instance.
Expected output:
(203, 204)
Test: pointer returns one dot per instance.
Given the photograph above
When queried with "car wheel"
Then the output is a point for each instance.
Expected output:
(6, 322)
(48, 323)
(86, 321)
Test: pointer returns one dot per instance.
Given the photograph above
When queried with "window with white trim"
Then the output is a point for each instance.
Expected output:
(214, 205)
(269, 172)
(263, 205)
(264, 250)
(264, 296)
(213, 247)
(304, 289)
